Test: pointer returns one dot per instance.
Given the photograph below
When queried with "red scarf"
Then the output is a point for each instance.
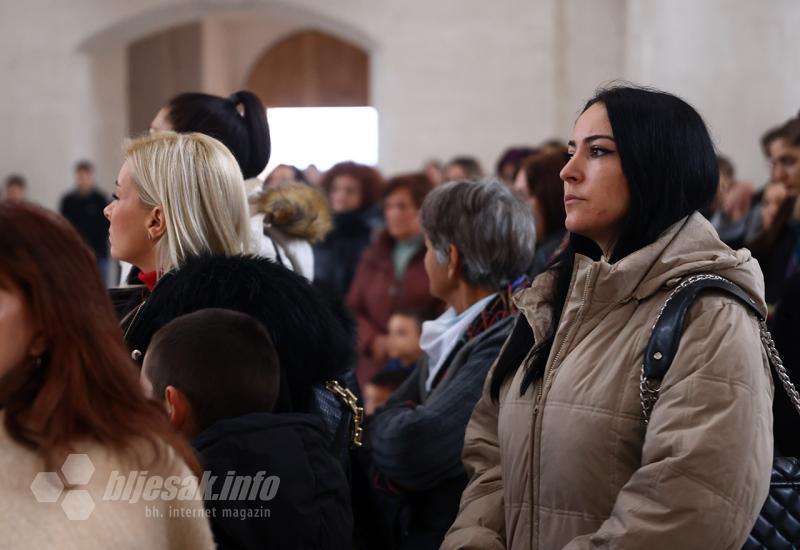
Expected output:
(149, 279)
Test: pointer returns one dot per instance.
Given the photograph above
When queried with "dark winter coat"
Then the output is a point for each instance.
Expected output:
(786, 329)
(313, 335)
(85, 212)
(311, 506)
(775, 263)
(416, 441)
(337, 256)
(376, 294)
(773, 249)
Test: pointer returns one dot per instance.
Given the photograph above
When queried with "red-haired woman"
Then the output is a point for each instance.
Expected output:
(69, 395)
(352, 190)
(391, 275)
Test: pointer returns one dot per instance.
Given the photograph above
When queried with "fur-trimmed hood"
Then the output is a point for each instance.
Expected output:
(314, 335)
(298, 210)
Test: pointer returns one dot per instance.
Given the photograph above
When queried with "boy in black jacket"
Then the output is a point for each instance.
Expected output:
(275, 484)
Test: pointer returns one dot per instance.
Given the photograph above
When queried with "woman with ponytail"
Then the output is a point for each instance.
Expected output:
(240, 123)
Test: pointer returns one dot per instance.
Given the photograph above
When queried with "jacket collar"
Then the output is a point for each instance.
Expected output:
(689, 246)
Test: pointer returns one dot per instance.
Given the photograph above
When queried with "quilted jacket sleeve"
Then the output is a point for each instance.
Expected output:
(707, 453)
(481, 518)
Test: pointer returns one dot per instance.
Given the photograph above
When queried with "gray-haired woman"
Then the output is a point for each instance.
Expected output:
(480, 239)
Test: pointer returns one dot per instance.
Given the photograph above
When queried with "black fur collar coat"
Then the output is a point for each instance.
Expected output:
(313, 334)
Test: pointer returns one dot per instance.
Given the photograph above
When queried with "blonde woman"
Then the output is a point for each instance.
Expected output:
(239, 122)
(176, 196)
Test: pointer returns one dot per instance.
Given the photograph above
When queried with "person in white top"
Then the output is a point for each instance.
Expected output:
(75, 427)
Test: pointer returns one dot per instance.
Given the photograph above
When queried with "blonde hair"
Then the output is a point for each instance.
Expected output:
(199, 185)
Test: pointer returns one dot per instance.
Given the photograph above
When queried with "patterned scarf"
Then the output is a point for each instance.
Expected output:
(501, 307)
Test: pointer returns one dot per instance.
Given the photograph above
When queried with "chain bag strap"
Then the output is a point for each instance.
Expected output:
(778, 520)
(349, 400)
(659, 355)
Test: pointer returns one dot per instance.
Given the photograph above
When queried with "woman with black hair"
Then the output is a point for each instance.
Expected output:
(240, 123)
(557, 449)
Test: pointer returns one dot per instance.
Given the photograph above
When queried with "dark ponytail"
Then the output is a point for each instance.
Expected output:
(255, 121)
(245, 133)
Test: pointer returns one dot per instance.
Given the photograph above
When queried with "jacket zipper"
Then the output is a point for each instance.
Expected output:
(550, 373)
(544, 385)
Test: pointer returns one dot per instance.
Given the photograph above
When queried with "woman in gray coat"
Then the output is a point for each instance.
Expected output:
(480, 240)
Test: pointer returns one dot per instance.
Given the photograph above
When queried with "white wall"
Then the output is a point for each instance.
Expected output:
(450, 76)
(736, 61)
(441, 86)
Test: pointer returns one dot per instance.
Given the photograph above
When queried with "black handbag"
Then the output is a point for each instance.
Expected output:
(336, 404)
(778, 523)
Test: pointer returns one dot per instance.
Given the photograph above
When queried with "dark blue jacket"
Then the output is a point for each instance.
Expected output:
(336, 257)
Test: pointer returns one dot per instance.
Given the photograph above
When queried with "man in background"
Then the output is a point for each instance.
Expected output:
(15, 189)
(83, 207)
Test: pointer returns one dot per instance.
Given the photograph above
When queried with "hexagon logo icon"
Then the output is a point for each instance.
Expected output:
(77, 469)
(77, 505)
(47, 487)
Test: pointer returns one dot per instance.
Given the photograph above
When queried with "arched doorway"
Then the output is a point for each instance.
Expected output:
(112, 113)
(311, 68)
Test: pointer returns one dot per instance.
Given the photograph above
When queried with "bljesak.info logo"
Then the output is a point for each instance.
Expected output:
(139, 486)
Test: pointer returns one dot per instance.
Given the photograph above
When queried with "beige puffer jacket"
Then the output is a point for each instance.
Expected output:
(570, 464)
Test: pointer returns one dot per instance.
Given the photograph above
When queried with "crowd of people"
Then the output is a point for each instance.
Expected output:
(438, 358)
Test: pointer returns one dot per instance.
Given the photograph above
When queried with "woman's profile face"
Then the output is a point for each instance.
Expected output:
(16, 329)
(520, 188)
(402, 215)
(596, 196)
(162, 122)
(129, 219)
(345, 194)
(785, 160)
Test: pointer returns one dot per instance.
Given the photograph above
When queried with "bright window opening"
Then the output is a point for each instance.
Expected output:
(322, 136)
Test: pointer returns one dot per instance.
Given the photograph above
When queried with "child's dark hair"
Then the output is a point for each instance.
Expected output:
(84, 166)
(223, 360)
(16, 180)
(418, 316)
(389, 379)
